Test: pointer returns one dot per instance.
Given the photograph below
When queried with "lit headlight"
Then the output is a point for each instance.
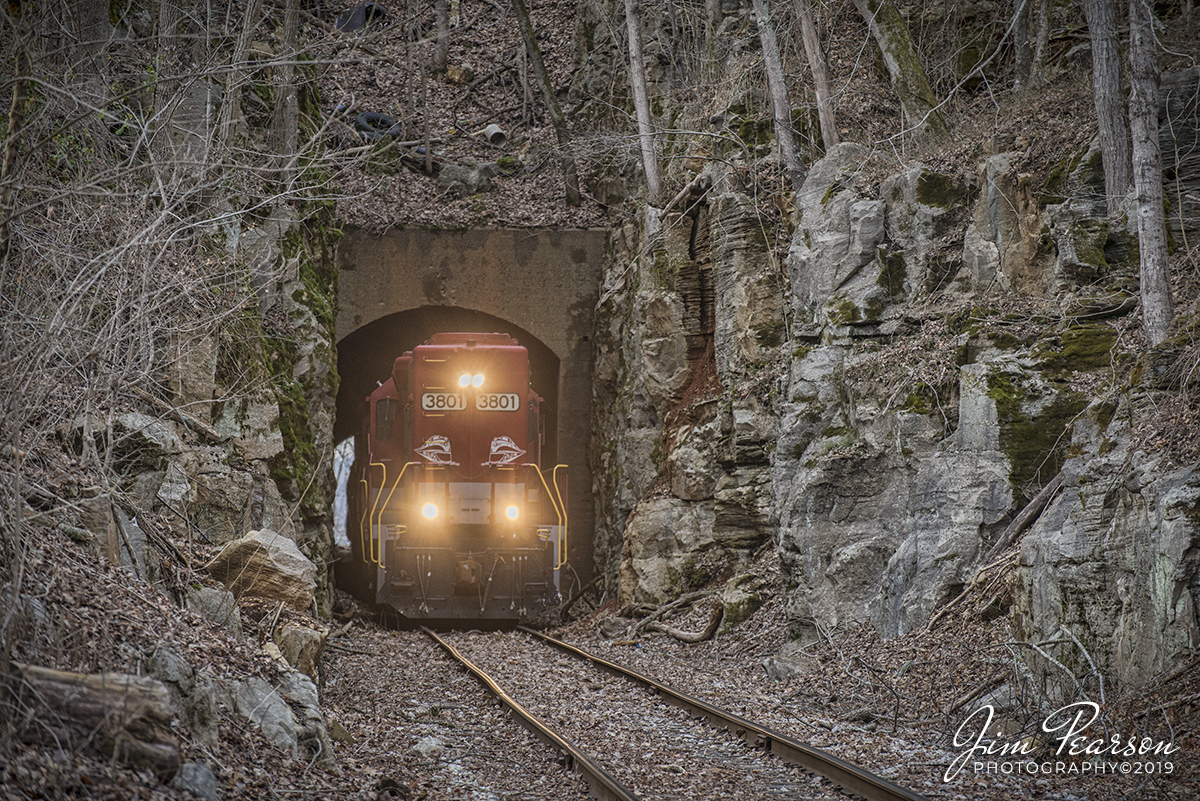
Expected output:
(512, 512)
(464, 380)
(477, 380)
(430, 511)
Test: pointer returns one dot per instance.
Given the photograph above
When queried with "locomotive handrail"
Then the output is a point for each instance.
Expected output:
(562, 540)
(362, 520)
(375, 506)
(560, 510)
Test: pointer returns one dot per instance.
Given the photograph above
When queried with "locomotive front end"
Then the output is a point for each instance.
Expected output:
(460, 521)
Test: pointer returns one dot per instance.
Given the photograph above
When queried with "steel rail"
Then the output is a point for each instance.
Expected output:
(846, 775)
(602, 783)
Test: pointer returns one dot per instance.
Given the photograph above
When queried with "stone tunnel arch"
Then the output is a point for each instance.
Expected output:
(397, 288)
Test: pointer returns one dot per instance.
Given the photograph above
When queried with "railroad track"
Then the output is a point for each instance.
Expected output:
(724, 762)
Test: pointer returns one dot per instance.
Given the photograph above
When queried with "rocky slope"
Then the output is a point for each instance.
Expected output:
(882, 377)
(878, 375)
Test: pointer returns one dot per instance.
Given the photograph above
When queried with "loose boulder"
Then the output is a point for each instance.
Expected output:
(302, 646)
(265, 564)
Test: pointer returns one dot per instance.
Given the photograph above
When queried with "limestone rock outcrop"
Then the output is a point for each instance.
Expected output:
(266, 564)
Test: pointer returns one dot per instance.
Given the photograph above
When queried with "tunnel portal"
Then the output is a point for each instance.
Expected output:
(397, 289)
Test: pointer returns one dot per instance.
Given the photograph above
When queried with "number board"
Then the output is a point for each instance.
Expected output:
(443, 402)
(497, 402)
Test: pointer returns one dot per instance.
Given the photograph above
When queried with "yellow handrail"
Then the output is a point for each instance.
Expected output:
(562, 545)
(375, 507)
(560, 511)
(362, 520)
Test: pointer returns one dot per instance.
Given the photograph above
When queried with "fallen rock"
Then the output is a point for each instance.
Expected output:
(301, 646)
(259, 702)
(429, 747)
(197, 779)
(467, 178)
(218, 607)
(265, 564)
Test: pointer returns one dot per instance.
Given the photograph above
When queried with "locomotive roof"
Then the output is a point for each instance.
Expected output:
(471, 338)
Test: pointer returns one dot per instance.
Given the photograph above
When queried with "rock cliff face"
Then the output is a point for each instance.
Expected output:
(882, 404)
(237, 447)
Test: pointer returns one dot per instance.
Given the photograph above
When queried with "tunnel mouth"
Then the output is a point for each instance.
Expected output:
(365, 360)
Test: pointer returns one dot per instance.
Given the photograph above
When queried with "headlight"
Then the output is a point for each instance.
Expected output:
(464, 380)
(477, 380)
(430, 511)
(512, 513)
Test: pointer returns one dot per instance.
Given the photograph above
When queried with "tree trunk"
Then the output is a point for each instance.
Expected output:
(785, 134)
(1110, 103)
(127, 718)
(12, 139)
(816, 63)
(92, 32)
(1022, 44)
(441, 50)
(712, 19)
(231, 109)
(1147, 175)
(908, 76)
(286, 122)
(567, 162)
(641, 100)
(1037, 72)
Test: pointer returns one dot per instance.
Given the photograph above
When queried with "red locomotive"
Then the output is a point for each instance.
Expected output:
(454, 516)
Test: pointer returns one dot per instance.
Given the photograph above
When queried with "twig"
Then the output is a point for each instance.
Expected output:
(662, 610)
(714, 621)
(203, 429)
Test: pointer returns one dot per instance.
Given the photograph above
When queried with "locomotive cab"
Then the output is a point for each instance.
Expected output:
(457, 517)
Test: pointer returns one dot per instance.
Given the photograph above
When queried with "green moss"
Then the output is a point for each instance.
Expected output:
(917, 402)
(664, 271)
(1054, 189)
(835, 187)
(845, 312)
(770, 334)
(935, 189)
(1084, 348)
(509, 165)
(1034, 443)
(755, 132)
(739, 611)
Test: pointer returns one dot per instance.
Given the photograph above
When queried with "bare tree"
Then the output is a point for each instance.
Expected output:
(1147, 175)
(1023, 43)
(567, 162)
(231, 109)
(1110, 103)
(820, 73)
(641, 100)
(286, 121)
(904, 67)
(1037, 71)
(441, 50)
(785, 134)
(12, 139)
